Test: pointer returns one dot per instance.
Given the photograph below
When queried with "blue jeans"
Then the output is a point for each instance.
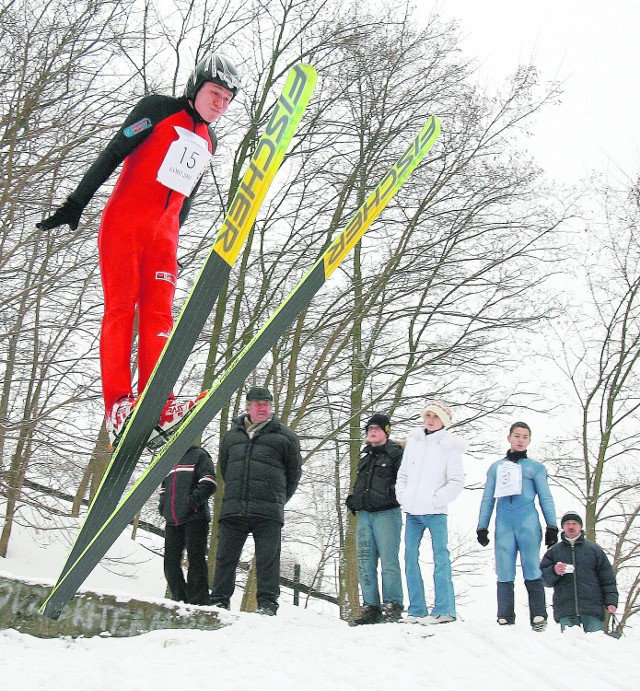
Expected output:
(378, 539)
(444, 596)
(589, 623)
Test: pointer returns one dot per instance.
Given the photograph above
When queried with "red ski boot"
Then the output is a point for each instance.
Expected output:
(174, 412)
(118, 417)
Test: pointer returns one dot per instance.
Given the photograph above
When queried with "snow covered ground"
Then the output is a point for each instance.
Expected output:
(299, 649)
(303, 648)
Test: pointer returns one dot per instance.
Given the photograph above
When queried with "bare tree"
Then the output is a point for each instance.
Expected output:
(599, 342)
(54, 90)
(426, 304)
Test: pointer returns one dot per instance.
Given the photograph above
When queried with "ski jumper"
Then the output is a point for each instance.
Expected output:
(517, 521)
(138, 238)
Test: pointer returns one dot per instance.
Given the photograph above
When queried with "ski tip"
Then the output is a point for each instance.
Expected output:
(309, 69)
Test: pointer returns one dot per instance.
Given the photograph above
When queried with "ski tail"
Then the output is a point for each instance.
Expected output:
(263, 166)
(236, 372)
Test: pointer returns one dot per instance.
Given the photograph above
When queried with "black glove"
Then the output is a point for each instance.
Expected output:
(483, 536)
(349, 503)
(550, 536)
(194, 502)
(68, 213)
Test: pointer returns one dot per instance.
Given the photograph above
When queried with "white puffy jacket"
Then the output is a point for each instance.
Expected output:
(431, 474)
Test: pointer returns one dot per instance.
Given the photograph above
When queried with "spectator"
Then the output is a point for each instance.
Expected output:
(431, 476)
(515, 481)
(582, 578)
(260, 463)
(379, 523)
(184, 503)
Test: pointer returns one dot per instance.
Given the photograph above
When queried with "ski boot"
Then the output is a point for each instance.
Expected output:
(174, 413)
(118, 418)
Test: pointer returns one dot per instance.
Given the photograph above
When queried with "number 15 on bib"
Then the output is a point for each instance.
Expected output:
(185, 162)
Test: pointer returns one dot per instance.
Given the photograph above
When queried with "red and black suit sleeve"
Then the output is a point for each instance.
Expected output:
(137, 127)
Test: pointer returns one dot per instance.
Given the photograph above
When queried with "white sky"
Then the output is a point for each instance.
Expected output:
(591, 47)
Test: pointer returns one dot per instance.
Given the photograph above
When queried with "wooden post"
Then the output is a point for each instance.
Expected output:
(296, 584)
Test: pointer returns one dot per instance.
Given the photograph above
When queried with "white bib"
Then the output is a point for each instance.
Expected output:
(184, 162)
(508, 480)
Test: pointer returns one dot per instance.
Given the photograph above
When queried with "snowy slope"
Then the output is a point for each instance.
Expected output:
(302, 649)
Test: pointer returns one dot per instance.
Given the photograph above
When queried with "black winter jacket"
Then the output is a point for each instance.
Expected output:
(374, 488)
(260, 473)
(588, 590)
(185, 492)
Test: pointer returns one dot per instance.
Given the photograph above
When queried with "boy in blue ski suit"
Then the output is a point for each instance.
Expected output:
(515, 481)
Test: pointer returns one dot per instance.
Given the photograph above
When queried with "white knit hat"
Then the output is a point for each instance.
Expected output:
(441, 409)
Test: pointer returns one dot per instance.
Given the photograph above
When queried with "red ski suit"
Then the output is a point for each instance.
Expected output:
(138, 238)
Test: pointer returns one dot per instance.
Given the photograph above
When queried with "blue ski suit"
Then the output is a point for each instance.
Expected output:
(517, 521)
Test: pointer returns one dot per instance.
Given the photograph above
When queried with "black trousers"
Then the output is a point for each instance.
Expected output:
(267, 536)
(193, 536)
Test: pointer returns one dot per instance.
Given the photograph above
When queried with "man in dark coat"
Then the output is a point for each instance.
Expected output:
(583, 581)
(261, 465)
(379, 523)
(184, 503)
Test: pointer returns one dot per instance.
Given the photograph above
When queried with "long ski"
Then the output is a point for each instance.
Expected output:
(236, 372)
(236, 226)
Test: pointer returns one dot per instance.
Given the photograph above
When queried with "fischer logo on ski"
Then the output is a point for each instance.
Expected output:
(277, 129)
(380, 197)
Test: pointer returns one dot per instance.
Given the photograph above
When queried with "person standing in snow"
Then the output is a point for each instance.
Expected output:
(165, 145)
(379, 527)
(184, 503)
(261, 465)
(431, 476)
(582, 578)
(514, 482)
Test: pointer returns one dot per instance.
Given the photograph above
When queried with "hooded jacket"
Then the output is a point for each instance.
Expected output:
(185, 491)
(374, 486)
(586, 591)
(261, 472)
(431, 475)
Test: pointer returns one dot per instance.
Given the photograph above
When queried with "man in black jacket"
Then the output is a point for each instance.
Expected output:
(379, 523)
(583, 581)
(184, 503)
(261, 465)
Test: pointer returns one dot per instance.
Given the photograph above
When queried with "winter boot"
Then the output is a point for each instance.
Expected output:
(391, 612)
(117, 418)
(440, 619)
(368, 615)
(222, 603)
(172, 415)
(537, 604)
(506, 606)
(267, 607)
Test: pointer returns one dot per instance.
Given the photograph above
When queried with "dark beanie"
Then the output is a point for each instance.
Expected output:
(570, 516)
(381, 420)
(259, 393)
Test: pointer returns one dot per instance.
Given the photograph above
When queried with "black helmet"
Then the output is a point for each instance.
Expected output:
(216, 68)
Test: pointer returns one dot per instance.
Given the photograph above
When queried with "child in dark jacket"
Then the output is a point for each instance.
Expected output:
(184, 503)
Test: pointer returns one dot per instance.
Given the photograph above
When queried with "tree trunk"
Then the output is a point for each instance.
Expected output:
(249, 601)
